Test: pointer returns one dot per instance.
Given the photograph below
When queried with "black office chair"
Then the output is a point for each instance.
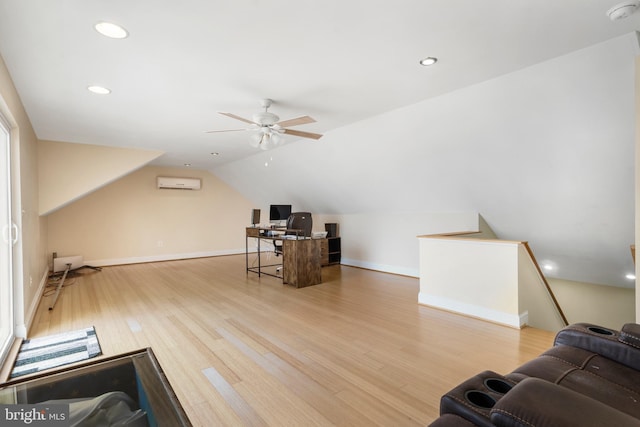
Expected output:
(301, 221)
(298, 223)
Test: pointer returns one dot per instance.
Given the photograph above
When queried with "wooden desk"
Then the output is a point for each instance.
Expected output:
(300, 258)
(301, 262)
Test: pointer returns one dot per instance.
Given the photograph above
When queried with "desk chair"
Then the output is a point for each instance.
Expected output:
(300, 221)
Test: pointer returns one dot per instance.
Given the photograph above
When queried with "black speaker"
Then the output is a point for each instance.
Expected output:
(331, 228)
(255, 216)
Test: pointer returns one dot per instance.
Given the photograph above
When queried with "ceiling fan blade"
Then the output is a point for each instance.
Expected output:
(297, 121)
(233, 116)
(226, 130)
(303, 134)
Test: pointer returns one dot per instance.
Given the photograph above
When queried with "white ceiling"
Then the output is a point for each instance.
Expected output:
(353, 66)
(336, 61)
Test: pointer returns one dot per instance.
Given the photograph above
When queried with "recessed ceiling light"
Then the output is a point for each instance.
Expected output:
(110, 30)
(631, 276)
(548, 267)
(215, 154)
(188, 165)
(100, 90)
(428, 61)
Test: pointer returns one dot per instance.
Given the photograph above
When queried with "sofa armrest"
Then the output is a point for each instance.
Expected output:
(630, 335)
(451, 420)
(622, 347)
(536, 402)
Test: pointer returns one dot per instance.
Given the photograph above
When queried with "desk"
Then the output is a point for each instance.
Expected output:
(300, 257)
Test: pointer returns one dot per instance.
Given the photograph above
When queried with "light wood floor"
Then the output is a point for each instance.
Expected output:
(242, 350)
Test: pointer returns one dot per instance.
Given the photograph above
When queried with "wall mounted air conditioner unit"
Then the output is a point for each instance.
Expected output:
(179, 183)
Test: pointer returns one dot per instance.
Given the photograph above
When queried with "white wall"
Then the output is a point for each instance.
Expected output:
(473, 277)
(388, 242)
(130, 220)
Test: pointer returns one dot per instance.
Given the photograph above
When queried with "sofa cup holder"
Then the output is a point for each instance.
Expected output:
(600, 331)
(497, 385)
(480, 399)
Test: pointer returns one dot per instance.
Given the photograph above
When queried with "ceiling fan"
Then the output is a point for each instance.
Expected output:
(266, 128)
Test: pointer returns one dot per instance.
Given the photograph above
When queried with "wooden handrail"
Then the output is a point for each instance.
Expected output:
(451, 234)
(460, 236)
(546, 284)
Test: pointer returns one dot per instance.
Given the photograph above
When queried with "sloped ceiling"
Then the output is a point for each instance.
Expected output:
(527, 118)
(544, 154)
(68, 172)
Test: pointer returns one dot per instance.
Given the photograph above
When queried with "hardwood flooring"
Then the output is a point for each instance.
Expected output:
(241, 350)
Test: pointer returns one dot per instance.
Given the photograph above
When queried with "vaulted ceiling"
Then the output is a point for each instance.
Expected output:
(527, 117)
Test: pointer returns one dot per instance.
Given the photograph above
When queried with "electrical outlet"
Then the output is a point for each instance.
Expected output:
(160, 243)
(30, 281)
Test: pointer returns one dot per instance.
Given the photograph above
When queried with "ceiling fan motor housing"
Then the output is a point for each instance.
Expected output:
(265, 118)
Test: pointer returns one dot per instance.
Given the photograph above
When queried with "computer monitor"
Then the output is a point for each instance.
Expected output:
(279, 212)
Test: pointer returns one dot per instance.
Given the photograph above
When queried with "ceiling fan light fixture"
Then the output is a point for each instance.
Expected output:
(255, 139)
(276, 138)
(266, 142)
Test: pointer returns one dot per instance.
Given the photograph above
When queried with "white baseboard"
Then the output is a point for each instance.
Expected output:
(163, 257)
(403, 271)
(22, 330)
(495, 316)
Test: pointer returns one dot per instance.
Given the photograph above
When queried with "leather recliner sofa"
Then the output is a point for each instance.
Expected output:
(590, 377)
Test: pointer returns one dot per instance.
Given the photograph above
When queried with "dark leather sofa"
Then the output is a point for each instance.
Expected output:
(590, 377)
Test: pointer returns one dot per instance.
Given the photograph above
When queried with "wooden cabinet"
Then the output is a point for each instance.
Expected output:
(330, 251)
(301, 264)
(324, 252)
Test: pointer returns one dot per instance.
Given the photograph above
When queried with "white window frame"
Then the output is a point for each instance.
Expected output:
(9, 237)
